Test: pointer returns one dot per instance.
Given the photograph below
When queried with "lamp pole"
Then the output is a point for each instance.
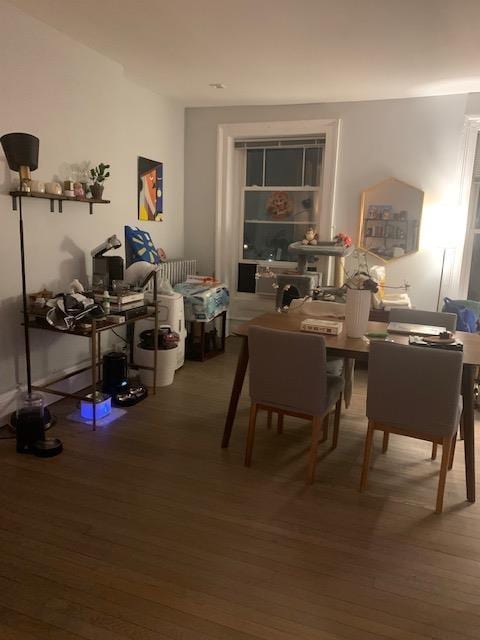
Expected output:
(25, 302)
(441, 279)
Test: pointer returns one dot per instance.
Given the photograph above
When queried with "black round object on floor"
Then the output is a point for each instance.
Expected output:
(47, 448)
(48, 420)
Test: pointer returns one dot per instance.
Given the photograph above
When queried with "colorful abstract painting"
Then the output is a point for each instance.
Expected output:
(150, 190)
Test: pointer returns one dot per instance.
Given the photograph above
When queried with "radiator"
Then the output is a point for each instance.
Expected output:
(177, 270)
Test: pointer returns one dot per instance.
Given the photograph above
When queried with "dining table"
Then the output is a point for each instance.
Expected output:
(342, 346)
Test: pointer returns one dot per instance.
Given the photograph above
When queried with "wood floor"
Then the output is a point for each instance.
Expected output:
(147, 530)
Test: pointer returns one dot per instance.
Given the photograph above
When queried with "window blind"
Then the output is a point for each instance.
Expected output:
(263, 143)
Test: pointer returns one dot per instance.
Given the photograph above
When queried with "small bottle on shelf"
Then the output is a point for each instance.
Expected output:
(106, 302)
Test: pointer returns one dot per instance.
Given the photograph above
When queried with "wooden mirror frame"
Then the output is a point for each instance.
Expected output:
(364, 203)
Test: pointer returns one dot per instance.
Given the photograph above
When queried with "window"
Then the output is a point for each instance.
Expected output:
(474, 279)
(474, 239)
(280, 197)
(315, 142)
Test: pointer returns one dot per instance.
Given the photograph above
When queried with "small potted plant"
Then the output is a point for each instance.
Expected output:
(98, 175)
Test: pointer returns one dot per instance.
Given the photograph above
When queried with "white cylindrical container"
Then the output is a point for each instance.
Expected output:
(357, 311)
(166, 365)
(171, 314)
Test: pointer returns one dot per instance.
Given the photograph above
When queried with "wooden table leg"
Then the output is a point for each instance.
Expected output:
(468, 379)
(236, 391)
(224, 331)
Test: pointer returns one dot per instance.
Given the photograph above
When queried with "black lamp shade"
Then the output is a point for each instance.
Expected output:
(21, 150)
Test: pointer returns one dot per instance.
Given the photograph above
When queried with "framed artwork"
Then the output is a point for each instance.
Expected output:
(150, 190)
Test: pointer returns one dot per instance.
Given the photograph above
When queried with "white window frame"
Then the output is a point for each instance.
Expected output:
(227, 226)
(456, 282)
(469, 191)
(317, 189)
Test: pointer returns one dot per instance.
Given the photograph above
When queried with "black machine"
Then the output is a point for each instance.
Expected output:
(115, 372)
(106, 269)
(167, 339)
(116, 383)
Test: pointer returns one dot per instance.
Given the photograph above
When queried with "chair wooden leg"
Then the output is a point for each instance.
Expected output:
(367, 455)
(446, 451)
(269, 419)
(452, 451)
(251, 434)
(312, 459)
(434, 450)
(280, 422)
(325, 428)
(386, 438)
(336, 422)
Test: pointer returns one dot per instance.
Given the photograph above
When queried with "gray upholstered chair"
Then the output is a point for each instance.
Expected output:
(414, 391)
(335, 366)
(431, 318)
(418, 316)
(288, 375)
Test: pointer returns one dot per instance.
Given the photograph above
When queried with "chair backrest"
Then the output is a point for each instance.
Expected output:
(431, 318)
(288, 370)
(414, 388)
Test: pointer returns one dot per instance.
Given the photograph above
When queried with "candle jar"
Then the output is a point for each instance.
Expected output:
(29, 420)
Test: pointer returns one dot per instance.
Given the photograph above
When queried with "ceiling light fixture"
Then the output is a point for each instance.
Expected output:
(217, 85)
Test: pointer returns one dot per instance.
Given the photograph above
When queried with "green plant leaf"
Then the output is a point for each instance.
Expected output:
(107, 175)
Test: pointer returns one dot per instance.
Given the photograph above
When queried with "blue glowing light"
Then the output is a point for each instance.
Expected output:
(102, 409)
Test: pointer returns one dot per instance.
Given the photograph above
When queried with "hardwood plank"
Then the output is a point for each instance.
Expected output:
(145, 529)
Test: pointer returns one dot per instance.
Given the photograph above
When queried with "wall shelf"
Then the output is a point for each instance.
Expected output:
(53, 198)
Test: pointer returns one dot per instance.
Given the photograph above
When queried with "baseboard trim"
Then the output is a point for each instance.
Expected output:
(71, 385)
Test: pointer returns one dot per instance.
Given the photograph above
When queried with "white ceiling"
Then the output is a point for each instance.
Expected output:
(280, 51)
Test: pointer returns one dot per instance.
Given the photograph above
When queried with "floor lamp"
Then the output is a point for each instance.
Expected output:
(21, 151)
(441, 278)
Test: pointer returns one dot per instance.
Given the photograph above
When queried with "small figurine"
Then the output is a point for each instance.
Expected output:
(78, 190)
(311, 237)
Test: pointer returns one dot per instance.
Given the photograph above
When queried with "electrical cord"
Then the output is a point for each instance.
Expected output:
(119, 336)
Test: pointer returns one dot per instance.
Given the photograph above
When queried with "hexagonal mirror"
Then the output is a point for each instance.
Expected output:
(390, 216)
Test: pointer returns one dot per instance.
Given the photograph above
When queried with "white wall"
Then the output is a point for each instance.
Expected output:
(82, 107)
(416, 140)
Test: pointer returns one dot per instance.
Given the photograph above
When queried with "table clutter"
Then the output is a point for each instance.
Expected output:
(141, 300)
(447, 342)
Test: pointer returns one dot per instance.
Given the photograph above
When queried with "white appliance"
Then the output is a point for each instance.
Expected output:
(166, 365)
(170, 313)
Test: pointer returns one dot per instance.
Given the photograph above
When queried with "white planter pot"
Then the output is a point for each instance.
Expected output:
(357, 312)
